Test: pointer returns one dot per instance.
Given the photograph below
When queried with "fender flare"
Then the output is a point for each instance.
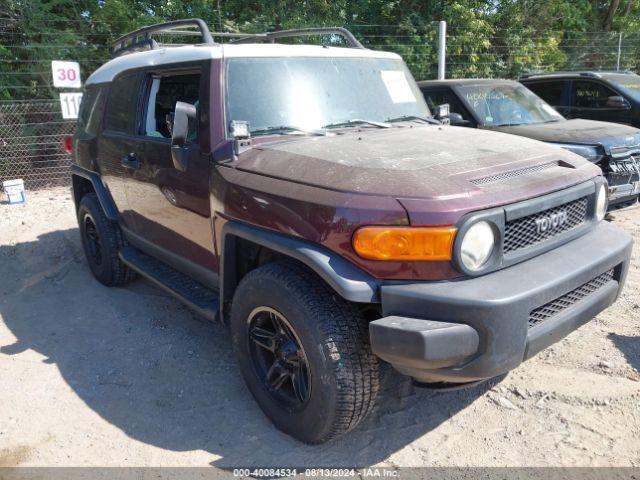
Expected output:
(345, 278)
(104, 197)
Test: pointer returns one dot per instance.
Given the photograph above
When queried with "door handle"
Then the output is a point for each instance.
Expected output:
(131, 161)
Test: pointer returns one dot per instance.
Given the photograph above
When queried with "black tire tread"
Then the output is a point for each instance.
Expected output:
(119, 273)
(341, 323)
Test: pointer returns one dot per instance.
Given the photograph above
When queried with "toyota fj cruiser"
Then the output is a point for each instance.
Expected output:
(305, 195)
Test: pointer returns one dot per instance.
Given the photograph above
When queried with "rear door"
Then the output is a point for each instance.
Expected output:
(118, 145)
(171, 207)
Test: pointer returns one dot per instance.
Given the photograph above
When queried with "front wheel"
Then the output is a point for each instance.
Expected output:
(303, 351)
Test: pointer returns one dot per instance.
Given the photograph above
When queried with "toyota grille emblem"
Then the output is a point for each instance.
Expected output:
(551, 222)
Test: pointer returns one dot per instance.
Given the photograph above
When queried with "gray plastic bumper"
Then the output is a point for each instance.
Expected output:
(468, 330)
(422, 343)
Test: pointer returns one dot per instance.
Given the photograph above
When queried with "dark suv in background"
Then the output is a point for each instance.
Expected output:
(509, 107)
(606, 96)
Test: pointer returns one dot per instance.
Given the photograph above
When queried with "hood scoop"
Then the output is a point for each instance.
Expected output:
(502, 176)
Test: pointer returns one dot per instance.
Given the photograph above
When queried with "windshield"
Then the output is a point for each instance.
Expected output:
(497, 105)
(630, 83)
(276, 95)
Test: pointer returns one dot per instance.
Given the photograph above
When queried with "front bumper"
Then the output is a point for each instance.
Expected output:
(624, 193)
(473, 329)
(623, 176)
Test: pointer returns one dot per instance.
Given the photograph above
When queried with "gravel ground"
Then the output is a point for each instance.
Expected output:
(92, 376)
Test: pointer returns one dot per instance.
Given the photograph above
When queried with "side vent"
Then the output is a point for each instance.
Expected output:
(499, 177)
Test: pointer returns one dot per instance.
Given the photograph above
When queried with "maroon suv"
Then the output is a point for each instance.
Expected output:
(306, 196)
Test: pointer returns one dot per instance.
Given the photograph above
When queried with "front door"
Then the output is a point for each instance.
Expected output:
(589, 100)
(170, 204)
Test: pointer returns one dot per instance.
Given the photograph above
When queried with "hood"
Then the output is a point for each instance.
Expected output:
(578, 131)
(443, 168)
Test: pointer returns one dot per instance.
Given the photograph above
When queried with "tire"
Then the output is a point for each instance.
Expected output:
(330, 337)
(102, 240)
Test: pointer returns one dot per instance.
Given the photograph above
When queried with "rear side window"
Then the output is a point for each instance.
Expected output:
(590, 94)
(550, 92)
(91, 110)
(122, 104)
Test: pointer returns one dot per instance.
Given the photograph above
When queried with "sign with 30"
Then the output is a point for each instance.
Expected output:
(65, 74)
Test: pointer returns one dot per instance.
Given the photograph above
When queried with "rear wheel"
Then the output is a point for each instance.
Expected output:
(303, 351)
(102, 241)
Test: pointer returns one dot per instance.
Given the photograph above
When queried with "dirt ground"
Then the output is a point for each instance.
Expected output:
(91, 376)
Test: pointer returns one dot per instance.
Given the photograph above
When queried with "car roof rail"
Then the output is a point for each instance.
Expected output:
(141, 39)
(561, 73)
(580, 73)
(590, 74)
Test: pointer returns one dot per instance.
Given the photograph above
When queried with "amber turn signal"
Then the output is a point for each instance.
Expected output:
(404, 243)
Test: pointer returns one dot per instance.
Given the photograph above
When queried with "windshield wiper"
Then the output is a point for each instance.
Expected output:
(406, 118)
(286, 130)
(509, 124)
(356, 121)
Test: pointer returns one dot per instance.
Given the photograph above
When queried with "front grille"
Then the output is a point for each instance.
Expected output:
(523, 232)
(560, 304)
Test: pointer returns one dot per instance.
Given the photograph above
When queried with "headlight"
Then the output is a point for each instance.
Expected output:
(477, 245)
(601, 202)
(590, 152)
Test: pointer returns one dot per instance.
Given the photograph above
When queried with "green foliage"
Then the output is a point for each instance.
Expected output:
(486, 38)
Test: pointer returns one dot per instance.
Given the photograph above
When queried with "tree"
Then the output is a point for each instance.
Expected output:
(485, 37)
(611, 11)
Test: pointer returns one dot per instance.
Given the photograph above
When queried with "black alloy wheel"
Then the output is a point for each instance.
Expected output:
(278, 357)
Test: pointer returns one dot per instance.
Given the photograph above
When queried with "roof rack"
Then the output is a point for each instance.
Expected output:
(351, 40)
(580, 73)
(141, 39)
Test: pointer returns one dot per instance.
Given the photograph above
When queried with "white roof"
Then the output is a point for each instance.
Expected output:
(188, 53)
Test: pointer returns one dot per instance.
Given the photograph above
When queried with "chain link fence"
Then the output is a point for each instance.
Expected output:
(32, 129)
(31, 143)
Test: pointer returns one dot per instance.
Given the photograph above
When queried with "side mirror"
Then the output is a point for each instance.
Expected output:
(616, 101)
(179, 150)
(457, 119)
(442, 113)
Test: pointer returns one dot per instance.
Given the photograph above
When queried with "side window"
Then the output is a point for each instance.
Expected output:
(590, 94)
(122, 104)
(550, 92)
(164, 92)
(439, 97)
(91, 110)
